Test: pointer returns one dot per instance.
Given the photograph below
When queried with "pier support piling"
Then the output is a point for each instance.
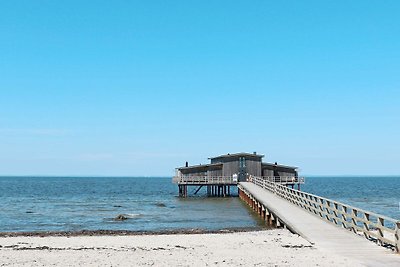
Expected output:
(212, 190)
(269, 218)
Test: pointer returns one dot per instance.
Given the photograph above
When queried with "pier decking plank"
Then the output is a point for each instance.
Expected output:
(324, 235)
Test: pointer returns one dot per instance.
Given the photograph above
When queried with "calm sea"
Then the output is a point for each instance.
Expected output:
(151, 204)
(65, 204)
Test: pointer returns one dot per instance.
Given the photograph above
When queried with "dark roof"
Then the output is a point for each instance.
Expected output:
(279, 165)
(200, 166)
(238, 155)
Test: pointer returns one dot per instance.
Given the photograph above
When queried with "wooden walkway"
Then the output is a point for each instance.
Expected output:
(324, 235)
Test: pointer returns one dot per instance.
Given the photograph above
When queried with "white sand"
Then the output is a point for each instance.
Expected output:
(265, 248)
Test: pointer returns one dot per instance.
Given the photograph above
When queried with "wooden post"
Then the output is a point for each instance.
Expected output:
(366, 227)
(320, 209)
(381, 222)
(397, 237)
(335, 206)
(267, 215)
(344, 216)
(353, 220)
(271, 219)
(263, 212)
(277, 223)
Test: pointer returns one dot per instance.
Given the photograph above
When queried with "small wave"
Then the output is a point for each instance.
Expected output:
(133, 215)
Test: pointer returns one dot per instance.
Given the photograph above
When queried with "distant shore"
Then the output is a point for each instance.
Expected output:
(277, 247)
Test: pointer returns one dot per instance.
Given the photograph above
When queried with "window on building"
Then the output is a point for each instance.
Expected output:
(242, 162)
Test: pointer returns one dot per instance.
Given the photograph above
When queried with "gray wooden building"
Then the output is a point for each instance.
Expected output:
(240, 164)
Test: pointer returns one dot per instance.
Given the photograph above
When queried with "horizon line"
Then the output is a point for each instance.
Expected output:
(170, 176)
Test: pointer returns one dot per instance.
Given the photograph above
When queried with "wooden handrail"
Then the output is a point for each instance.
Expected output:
(228, 179)
(385, 230)
(204, 179)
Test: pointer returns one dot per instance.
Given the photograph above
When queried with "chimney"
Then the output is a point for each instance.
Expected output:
(187, 164)
(254, 153)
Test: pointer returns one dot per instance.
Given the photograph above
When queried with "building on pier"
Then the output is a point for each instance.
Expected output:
(226, 170)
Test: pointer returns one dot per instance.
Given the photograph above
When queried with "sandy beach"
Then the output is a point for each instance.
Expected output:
(261, 248)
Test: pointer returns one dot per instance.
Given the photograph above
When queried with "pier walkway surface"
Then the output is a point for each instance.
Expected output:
(323, 234)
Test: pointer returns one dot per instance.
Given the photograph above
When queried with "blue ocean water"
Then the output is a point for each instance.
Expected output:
(72, 204)
(91, 203)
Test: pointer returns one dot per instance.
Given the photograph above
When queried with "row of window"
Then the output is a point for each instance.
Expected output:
(242, 162)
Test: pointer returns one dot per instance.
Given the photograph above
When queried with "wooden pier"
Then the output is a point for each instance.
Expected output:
(269, 189)
(329, 224)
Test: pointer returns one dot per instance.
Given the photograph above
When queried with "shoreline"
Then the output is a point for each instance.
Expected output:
(101, 232)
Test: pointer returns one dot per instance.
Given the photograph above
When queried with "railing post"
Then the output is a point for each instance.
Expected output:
(335, 213)
(344, 216)
(381, 223)
(354, 220)
(366, 225)
(397, 236)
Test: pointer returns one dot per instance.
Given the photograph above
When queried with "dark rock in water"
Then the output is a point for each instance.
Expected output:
(117, 206)
(160, 204)
(121, 217)
(29, 212)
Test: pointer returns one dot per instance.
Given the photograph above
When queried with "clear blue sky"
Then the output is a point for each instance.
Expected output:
(140, 87)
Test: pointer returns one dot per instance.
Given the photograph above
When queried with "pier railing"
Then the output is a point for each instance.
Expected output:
(284, 179)
(379, 228)
(204, 180)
